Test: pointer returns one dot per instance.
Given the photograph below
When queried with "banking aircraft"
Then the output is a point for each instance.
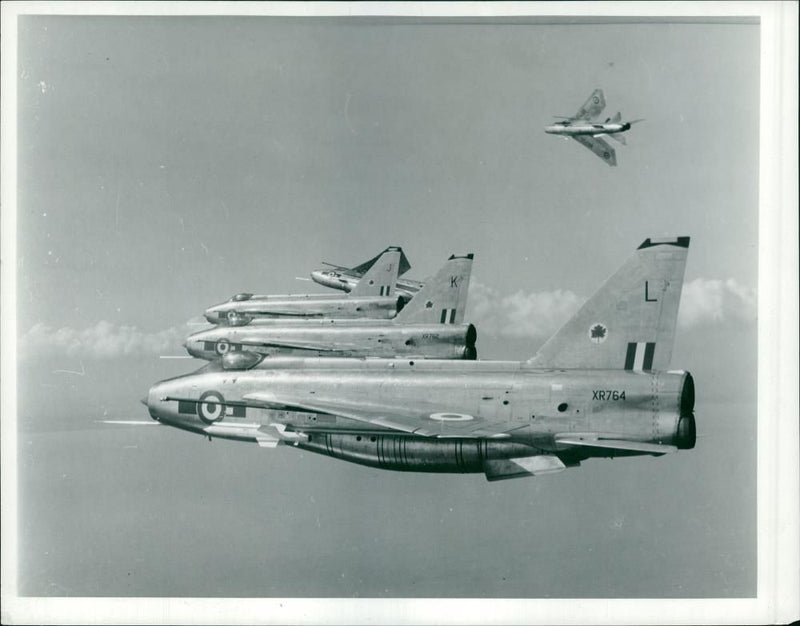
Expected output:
(583, 128)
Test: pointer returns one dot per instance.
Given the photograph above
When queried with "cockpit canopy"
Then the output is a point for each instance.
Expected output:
(234, 318)
(241, 360)
(241, 297)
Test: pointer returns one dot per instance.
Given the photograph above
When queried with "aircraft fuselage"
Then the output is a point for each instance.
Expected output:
(344, 282)
(440, 341)
(538, 407)
(238, 312)
(586, 128)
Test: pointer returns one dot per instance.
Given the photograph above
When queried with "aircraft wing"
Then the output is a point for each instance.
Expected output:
(592, 107)
(299, 345)
(285, 312)
(129, 422)
(593, 441)
(599, 146)
(421, 418)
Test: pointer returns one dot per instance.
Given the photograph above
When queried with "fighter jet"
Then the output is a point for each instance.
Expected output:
(600, 387)
(345, 279)
(373, 297)
(430, 326)
(583, 129)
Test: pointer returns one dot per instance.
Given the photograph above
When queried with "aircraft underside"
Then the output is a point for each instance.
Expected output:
(497, 459)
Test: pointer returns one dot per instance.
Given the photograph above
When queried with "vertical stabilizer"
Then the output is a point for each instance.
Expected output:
(381, 278)
(629, 323)
(363, 268)
(443, 299)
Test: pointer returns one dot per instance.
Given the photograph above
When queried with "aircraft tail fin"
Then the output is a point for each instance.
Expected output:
(363, 268)
(381, 278)
(443, 298)
(619, 138)
(629, 323)
(617, 118)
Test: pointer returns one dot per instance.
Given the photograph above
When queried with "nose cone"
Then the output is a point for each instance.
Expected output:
(152, 402)
(193, 349)
(194, 343)
(323, 277)
(213, 315)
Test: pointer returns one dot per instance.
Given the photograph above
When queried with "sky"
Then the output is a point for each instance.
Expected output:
(166, 163)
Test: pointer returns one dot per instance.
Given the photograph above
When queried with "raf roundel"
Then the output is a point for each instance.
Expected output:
(223, 347)
(598, 332)
(211, 407)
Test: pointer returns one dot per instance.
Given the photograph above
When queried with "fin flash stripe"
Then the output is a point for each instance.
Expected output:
(639, 356)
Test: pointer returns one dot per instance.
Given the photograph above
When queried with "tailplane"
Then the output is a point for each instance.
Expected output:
(381, 278)
(443, 298)
(629, 323)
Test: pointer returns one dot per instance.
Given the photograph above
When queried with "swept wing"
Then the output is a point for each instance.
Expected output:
(422, 419)
(599, 146)
(286, 312)
(298, 345)
(594, 441)
(592, 107)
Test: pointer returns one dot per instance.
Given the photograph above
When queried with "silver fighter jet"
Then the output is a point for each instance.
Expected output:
(373, 297)
(430, 326)
(583, 128)
(346, 278)
(600, 387)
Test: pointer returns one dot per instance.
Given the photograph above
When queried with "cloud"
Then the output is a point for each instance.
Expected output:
(712, 301)
(537, 314)
(102, 341)
(540, 314)
(704, 302)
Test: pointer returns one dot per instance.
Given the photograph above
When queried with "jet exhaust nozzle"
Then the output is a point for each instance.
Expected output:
(472, 336)
(686, 434)
(687, 395)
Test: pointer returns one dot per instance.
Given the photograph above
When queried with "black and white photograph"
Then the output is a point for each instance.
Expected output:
(399, 313)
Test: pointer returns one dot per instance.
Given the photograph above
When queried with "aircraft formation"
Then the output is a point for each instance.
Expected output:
(584, 128)
(387, 376)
